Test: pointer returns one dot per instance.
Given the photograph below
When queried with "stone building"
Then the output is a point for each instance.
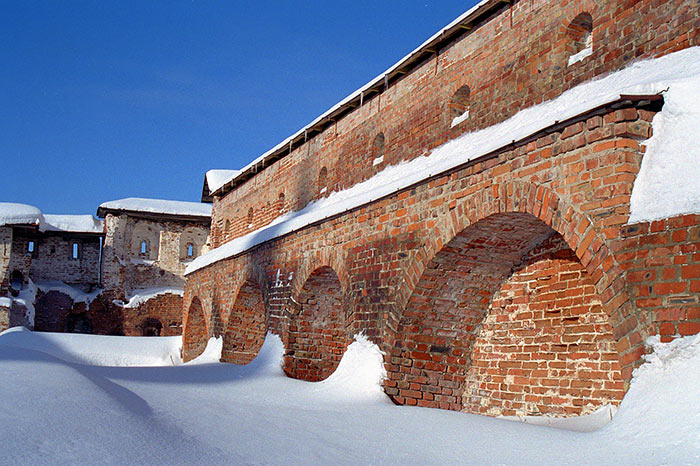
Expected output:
(148, 243)
(470, 210)
(41, 251)
(123, 275)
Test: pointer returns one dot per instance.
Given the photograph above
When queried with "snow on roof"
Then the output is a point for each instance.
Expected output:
(374, 82)
(217, 178)
(667, 185)
(72, 223)
(19, 214)
(157, 206)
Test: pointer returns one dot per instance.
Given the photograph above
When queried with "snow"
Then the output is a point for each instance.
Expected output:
(22, 214)
(159, 206)
(5, 302)
(73, 223)
(80, 399)
(19, 214)
(458, 119)
(672, 152)
(377, 161)
(78, 296)
(577, 57)
(138, 297)
(26, 298)
(217, 178)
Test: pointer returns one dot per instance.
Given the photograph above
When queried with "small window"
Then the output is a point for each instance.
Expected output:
(31, 247)
(458, 108)
(580, 38)
(190, 250)
(144, 247)
(53, 249)
(378, 149)
(227, 229)
(250, 217)
(280, 202)
(76, 251)
(322, 180)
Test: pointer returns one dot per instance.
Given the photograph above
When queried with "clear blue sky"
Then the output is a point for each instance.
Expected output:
(103, 100)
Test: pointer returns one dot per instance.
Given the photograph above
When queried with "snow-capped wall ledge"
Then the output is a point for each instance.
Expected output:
(666, 186)
(139, 297)
(156, 206)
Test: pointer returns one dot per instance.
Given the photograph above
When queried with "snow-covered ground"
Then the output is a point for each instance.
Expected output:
(70, 399)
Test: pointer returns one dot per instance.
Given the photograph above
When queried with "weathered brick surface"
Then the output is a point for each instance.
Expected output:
(126, 269)
(317, 335)
(545, 346)
(516, 59)
(246, 326)
(428, 272)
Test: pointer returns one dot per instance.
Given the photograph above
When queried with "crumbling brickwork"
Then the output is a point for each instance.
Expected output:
(149, 251)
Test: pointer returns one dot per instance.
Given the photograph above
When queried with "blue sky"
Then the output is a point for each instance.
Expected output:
(103, 100)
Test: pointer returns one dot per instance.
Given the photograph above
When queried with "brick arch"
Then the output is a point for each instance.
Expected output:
(317, 335)
(434, 347)
(195, 330)
(246, 324)
(577, 231)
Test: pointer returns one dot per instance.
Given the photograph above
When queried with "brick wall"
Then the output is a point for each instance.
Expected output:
(246, 326)
(391, 258)
(428, 272)
(545, 346)
(317, 336)
(514, 60)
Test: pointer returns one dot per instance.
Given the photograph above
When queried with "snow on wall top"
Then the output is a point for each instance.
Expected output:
(73, 223)
(354, 95)
(19, 214)
(157, 206)
(217, 178)
(668, 183)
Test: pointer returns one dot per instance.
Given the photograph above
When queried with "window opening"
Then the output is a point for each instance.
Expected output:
(459, 106)
(76, 250)
(144, 247)
(322, 180)
(30, 247)
(190, 250)
(580, 33)
(378, 149)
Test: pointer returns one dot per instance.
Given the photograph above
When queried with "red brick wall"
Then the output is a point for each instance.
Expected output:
(546, 346)
(246, 326)
(516, 59)
(662, 260)
(317, 336)
(195, 334)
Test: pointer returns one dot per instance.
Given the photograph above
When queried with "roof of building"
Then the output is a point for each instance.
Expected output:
(156, 206)
(26, 215)
(19, 214)
(464, 23)
(73, 223)
(214, 179)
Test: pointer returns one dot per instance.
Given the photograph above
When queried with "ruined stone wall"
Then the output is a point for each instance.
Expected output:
(518, 58)
(163, 260)
(5, 254)
(53, 259)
